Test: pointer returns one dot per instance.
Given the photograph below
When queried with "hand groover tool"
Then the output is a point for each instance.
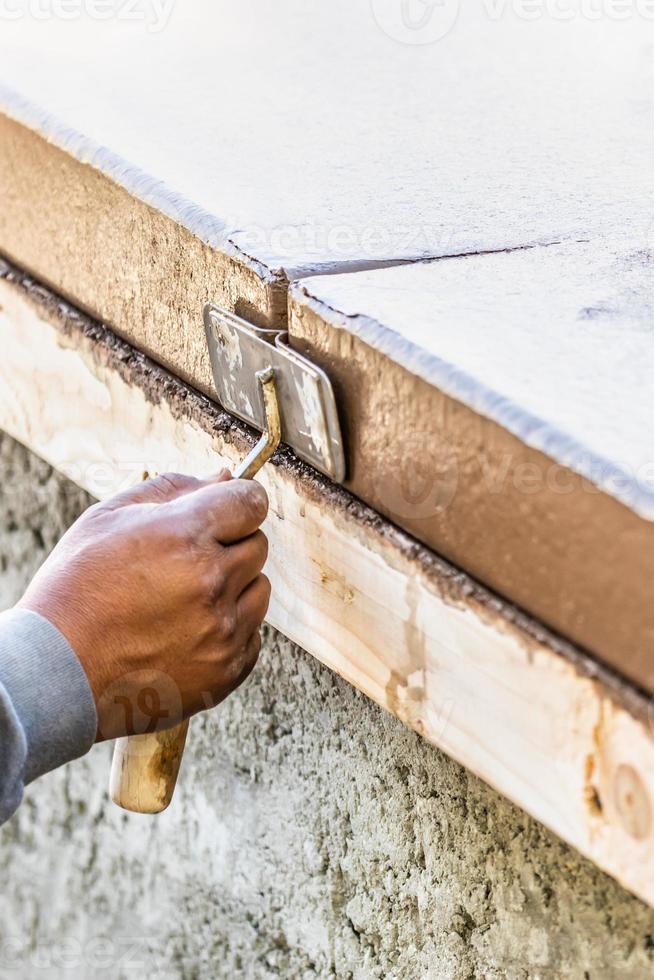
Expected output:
(266, 383)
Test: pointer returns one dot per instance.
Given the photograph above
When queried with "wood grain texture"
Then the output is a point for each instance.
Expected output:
(535, 718)
(144, 769)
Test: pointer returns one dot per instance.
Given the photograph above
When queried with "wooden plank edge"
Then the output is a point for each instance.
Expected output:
(566, 740)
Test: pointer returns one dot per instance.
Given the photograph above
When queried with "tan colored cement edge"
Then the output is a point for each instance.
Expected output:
(120, 259)
(417, 637)
(532, 530)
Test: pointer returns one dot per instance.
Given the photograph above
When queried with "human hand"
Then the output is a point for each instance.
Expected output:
(160, 593)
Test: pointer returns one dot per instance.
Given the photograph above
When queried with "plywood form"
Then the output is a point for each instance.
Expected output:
(564, 739)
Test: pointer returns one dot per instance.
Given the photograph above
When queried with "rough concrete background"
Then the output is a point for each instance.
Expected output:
(312, 836)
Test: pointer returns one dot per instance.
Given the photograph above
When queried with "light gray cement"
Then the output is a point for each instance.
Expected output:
(312, 836)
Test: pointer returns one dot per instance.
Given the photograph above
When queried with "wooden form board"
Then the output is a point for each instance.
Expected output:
(516, 401)
(538, 720)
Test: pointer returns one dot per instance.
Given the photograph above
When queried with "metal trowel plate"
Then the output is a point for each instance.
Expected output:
(310, 423)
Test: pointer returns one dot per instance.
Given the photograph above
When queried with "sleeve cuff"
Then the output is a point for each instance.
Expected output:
(48, 689)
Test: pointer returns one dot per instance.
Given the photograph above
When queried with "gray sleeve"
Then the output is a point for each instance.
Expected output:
(47, 712)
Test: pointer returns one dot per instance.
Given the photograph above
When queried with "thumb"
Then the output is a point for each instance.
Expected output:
(162, 488)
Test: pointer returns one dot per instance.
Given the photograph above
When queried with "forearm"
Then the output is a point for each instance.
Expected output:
(47, 711)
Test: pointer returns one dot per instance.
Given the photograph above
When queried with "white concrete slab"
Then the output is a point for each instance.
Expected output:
(319, 136)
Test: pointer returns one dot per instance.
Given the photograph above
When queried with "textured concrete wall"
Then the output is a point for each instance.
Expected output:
(312, 836)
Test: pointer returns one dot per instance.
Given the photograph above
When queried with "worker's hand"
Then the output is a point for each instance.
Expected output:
(159, 591)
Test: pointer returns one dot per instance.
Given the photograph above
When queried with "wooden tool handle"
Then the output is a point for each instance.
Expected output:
(144, 769)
